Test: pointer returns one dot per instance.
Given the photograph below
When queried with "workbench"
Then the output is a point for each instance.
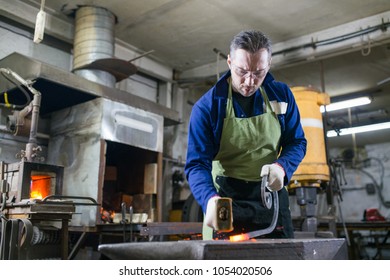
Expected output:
(360, 234)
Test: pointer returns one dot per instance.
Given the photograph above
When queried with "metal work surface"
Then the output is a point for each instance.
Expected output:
(271, 249)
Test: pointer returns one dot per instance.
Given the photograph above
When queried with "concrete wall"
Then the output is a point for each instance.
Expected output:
(373, 169)
(18, 41)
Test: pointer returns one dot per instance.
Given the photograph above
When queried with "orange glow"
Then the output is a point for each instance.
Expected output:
(40, 186)
(239, 237)
(107, 216)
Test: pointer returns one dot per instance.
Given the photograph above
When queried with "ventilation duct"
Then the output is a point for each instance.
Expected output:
(94, 40)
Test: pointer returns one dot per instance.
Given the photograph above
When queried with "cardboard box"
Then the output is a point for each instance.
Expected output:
(142, 203)
(152, 215)
(150, 178)
(137, 218)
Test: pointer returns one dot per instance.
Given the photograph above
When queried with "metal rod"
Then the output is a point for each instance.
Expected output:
(267, 202)
(76, 247)
(131, 223)
(260, 232)
(123, 222)
(141, 55)
(47, 198)
(65, 239)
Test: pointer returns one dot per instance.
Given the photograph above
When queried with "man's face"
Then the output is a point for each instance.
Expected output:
(248, 70)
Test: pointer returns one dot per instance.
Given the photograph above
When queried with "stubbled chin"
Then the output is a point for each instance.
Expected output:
(244, 90)
(247, 91)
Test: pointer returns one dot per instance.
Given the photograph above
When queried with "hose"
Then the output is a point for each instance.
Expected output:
(7, 104)
(379, 188)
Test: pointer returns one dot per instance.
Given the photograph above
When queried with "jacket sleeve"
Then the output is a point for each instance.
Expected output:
(293, 141)
(200, 154)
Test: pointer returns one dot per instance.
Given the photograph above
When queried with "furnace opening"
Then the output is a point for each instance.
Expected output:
(42, 185)
(130, 178)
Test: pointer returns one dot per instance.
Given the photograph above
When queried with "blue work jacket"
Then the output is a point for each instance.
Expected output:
(205, 129)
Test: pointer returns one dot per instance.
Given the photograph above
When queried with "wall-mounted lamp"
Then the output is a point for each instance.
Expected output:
(358, 129)
(346, 104)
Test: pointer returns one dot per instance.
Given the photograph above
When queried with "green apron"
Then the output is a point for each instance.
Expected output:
(246, 145)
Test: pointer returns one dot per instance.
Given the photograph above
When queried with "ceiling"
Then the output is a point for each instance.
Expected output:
(187, 35)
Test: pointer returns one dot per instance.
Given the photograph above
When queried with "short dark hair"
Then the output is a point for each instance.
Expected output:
(251, 41)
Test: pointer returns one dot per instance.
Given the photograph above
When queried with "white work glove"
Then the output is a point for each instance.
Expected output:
(275, 176)
(211, 212)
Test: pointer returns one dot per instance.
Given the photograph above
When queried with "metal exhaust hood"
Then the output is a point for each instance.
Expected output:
(61, 89)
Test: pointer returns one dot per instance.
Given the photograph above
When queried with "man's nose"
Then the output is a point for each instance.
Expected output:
(249, 79)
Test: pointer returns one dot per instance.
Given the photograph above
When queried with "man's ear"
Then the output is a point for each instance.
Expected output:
(228, 60)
